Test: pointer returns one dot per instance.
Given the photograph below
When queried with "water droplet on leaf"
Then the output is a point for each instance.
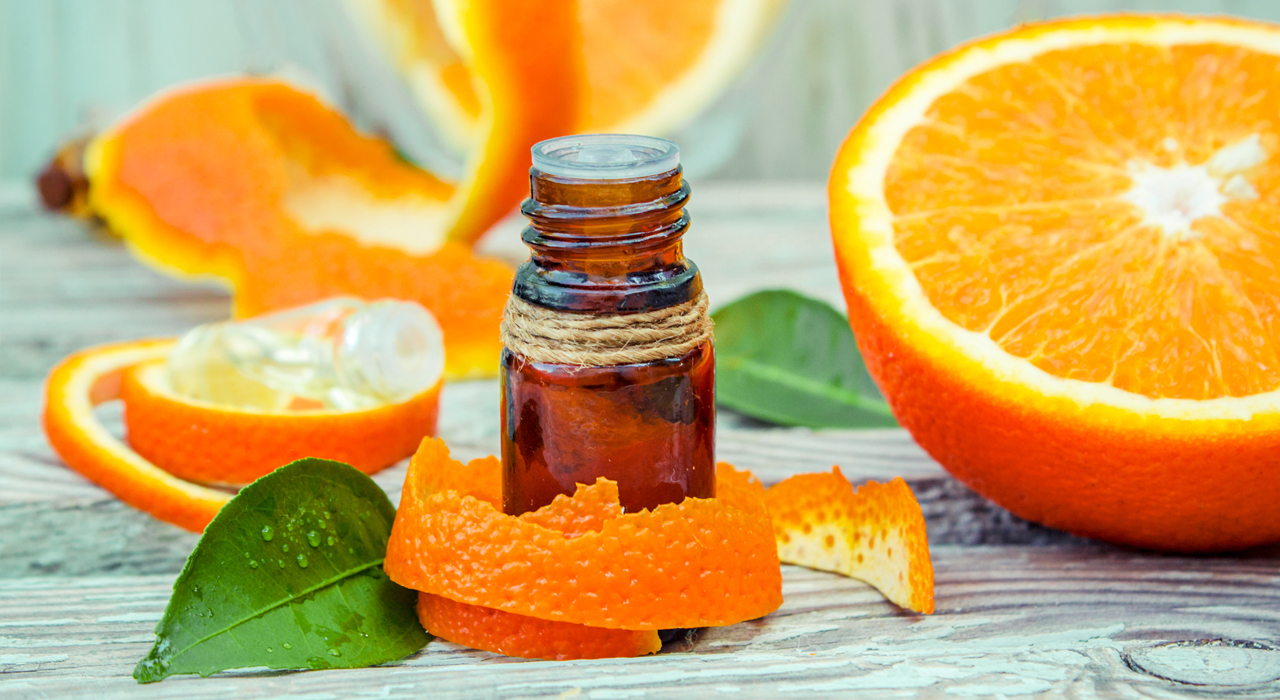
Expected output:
(253, 564)
(287, 645)
(330, 541)
(286, 549)
(334, 652)
(267, 533)
(302, 560)
(313, 538)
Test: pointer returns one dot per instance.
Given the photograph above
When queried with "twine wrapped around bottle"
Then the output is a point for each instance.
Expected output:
(591, 340)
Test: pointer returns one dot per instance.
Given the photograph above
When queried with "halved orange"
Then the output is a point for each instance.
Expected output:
(1059, 246)
(643, 67)
(175, 442)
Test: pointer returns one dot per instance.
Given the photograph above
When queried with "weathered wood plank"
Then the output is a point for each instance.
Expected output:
(1010, 621)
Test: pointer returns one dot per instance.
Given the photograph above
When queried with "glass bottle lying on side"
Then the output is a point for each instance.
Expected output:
(341, 353)
(607, 283)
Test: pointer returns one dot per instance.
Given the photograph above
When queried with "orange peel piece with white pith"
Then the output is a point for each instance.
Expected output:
(875, 534)
(177, 446)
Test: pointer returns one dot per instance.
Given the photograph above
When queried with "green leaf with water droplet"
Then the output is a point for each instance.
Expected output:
(785, 358)
(225, 612)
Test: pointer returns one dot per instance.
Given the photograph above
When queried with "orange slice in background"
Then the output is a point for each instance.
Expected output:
(646, 67)
(262, 186)
(1059, 247)
(175, 441)
(876, 534)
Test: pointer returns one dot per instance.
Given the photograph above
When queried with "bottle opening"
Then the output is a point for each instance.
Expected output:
(606, 156)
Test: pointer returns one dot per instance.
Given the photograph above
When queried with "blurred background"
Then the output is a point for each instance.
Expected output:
(67, 66)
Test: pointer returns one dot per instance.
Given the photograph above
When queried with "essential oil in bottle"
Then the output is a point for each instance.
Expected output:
(341, 354)
(609, 367)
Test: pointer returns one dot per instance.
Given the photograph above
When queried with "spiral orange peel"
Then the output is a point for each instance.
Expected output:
(177, 446)
(699, 563)
(528, 637)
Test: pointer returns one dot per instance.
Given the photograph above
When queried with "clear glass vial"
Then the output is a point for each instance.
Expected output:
(341, 353)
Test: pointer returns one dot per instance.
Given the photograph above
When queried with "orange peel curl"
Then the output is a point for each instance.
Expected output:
(699, 563)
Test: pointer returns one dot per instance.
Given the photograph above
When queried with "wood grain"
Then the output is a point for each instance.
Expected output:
(83, 578)
(1011, 621)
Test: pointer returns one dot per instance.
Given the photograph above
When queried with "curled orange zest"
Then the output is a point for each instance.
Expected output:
(528, 637)
(875, 534)
(702, 562)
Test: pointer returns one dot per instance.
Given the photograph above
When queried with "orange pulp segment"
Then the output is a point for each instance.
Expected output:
(1106, 212)
(876, 534)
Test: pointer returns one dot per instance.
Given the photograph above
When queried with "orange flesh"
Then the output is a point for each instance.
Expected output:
(1009, 206)
(664, 38)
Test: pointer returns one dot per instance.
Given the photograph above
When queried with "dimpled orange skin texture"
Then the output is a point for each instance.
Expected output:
(876, 534)
(1095, 470)
(208, 444)
(196, 181)
(528, 637)
(702, 562)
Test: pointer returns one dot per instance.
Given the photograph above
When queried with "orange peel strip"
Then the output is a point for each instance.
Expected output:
(175, 440)
(94, 376)
(211, 443)
(528, 637)
(702, 562)
(876, 534)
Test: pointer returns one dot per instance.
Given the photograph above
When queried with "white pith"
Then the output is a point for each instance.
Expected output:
(883, 135)
(411, 223)
(1172, 199)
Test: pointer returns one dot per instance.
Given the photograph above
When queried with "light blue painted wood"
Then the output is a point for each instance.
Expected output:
(71, 64)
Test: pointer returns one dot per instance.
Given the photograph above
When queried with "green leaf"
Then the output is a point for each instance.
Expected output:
(289, 575)
(789, 359)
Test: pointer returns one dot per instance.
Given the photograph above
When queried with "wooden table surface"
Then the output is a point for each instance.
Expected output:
(1021, 610)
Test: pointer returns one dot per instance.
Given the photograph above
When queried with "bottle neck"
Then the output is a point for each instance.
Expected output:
(607, 246)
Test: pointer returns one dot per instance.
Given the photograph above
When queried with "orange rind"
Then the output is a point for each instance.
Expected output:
(528, 637)
(263, 186)
(702, 562)
(876, 534)
(213, 444)
(175, 441)
(94, 376)
(640, 67)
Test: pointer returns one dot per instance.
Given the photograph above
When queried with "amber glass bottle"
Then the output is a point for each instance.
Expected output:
(606, 219)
